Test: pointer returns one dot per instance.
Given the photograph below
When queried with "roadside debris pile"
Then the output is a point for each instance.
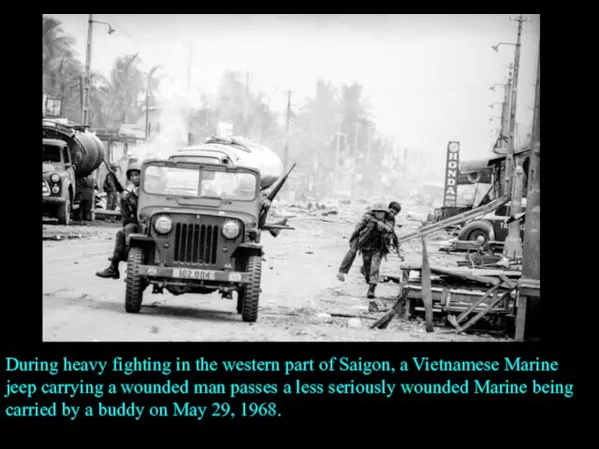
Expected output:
(82, 231)
(307, 209)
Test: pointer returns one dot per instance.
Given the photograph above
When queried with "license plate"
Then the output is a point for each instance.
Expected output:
(188, 273)
(235, 277)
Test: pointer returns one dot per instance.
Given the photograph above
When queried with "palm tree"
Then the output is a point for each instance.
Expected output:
(56, 50)
(126, 84)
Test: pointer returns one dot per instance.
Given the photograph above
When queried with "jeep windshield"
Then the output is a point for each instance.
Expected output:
(192, 182)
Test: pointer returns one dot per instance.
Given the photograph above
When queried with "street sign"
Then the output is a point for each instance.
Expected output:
(451, 174)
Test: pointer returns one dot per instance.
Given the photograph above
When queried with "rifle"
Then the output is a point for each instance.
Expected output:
(271, 196)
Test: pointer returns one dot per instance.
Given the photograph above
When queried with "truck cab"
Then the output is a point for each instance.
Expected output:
(199, 232)
(58, 179)
(70, 157)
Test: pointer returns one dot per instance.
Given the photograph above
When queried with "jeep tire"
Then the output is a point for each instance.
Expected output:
(249, 296)
(135, 283)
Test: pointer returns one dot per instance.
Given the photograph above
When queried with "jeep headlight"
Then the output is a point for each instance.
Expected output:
(55, 189)
(55, 177)
(231, 229)
(163, 225)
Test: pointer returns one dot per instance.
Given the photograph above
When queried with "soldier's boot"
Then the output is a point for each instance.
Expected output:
(341, 276)
(112, 272)
(371, 288)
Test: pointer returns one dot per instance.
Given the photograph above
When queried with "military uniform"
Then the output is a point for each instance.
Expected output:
(364, 227)
(110, 189)
(130, 225)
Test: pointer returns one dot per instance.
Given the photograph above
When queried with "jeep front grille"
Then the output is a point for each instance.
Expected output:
(195, 243)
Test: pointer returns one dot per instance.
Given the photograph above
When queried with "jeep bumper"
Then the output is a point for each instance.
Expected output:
(192, 274)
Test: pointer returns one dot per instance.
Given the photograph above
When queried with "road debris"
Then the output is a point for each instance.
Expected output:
(354, 323)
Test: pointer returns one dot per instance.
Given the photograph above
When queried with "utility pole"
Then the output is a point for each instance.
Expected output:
(287, 129)
(505, 112)
(246, 102)
(88, 58)
(513, 242)
(148, 109)
(531, 259)
(189, 139)
(356, 127)
(369, 146)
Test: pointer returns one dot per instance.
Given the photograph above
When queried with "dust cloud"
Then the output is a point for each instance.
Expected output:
(173, 118)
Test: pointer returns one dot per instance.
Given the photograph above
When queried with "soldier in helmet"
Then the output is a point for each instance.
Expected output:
(129, 216)
(371, 237)
(110, 188)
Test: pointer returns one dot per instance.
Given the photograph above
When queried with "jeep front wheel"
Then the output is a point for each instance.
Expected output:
(135, 284)
(251, 292)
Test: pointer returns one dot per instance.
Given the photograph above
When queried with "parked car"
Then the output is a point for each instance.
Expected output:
(492, 227)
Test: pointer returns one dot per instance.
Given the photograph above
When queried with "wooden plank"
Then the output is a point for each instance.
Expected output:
(506, 281)
(384, 321)
(426, 289)
(445, 298)
(466, 275)
(521, 318)
(479, 301)
(482, 313)
(465, 270)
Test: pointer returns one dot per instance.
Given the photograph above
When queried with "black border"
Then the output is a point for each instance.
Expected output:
(565, 311)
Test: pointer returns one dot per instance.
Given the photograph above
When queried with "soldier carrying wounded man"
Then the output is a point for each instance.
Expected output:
(373, 237)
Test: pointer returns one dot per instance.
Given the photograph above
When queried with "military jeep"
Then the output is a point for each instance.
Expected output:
(199, 232)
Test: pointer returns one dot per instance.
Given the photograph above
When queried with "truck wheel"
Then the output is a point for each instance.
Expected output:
(64, 213)
(87, 210)
(135, 283)
(251, 294)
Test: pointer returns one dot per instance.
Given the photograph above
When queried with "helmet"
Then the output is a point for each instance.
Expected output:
(380, 206)
(135, 166)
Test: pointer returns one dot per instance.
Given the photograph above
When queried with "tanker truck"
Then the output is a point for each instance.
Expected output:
(235, 151)
(70, 156)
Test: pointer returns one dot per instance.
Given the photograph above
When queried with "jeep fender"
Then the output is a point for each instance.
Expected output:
(141, 241)
(248, 249)
(482, 225)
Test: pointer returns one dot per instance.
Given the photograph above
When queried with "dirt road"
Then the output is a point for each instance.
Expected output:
(299, 291)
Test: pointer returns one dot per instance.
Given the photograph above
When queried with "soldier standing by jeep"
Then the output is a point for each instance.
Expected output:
(110, 188)
(129, 215)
